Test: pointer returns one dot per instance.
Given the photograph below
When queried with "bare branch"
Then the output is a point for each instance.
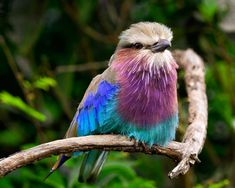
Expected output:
(82, 67)
(104, 142)
(195, 134)
(186, 153)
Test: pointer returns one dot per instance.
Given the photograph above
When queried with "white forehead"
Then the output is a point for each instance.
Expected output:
(146, 33)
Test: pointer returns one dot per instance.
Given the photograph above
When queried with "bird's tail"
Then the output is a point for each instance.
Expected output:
(91, 166)
(61, 160)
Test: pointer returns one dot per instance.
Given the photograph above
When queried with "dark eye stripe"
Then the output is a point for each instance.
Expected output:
(155, 43)
(137, 45)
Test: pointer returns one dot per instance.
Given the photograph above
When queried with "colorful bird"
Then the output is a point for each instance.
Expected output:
(135, 96)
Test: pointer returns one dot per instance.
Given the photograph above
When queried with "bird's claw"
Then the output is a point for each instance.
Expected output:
(147, 150)
(136, 144)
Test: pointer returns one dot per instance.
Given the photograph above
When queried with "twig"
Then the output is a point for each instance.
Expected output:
(73, 13)
(186, 153)
(81, 67)
(14, 68)
(20, 79)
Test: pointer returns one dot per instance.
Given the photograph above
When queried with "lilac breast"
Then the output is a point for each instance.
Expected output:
(146, 97)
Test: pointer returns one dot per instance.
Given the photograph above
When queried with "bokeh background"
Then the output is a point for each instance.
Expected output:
(51, 49)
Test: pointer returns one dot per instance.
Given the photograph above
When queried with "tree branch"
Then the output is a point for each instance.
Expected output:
(186, 153)
(195, 134)
(81, 67)
(104, 142)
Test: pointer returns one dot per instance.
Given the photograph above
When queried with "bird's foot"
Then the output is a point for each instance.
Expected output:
(147, 150)
(136, 144)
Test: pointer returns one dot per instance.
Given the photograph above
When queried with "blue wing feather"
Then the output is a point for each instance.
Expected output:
(93, 114)
(92, 121)
(86, 126)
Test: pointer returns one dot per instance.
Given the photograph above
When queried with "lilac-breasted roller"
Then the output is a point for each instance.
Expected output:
(135, 96)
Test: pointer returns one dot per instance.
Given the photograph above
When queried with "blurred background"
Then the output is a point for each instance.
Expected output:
(51, 49)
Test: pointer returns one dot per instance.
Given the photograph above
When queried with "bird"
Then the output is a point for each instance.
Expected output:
(135, 96)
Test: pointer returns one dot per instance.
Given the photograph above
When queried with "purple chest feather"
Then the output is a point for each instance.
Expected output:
(147, 94)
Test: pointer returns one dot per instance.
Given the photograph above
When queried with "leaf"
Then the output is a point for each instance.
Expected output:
(10, 100)
(220, 184)
(208, 9)
(119, 172)
(6, 183)
(14, 137)
(44, 83)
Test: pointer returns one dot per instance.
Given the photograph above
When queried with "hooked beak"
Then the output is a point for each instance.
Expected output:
(160, 46)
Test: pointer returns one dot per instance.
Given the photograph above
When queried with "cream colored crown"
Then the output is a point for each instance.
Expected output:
(146, 33)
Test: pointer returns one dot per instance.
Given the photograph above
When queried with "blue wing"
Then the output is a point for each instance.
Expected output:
(96, 111)
(94, 116)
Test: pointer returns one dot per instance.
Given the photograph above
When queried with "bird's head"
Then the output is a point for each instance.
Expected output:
(146, 40)
(149, 36)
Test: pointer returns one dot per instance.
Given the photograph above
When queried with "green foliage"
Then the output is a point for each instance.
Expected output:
(221, 184)
(43, 83)
(208, 9)
(220, 98)
(86, 7)
(117, 172)
(38, 38)
(10, 100)
(15, 140)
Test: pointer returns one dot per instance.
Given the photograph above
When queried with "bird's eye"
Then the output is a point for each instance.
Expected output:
(137, 45)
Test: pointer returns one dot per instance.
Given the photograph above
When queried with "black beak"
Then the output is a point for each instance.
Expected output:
(160, 46)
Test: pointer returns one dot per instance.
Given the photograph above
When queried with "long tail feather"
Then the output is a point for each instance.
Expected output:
(61, 160)
(91, 166)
